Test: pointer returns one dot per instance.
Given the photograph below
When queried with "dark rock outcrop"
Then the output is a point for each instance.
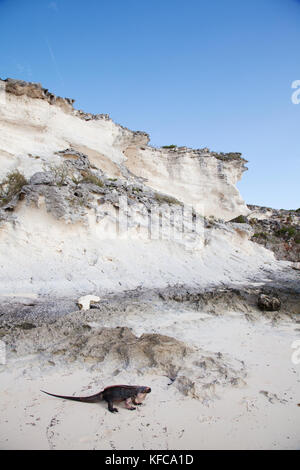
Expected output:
(277, 230)
(268, 303)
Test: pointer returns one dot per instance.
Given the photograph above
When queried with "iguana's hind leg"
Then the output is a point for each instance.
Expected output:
(111, 407)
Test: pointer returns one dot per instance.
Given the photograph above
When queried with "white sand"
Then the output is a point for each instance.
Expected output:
(239, 418)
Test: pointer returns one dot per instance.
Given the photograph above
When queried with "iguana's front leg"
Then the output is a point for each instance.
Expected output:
(136, 402)
(128, 404)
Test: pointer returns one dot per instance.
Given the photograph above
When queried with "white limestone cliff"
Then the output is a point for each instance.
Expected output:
(72, 235)
(32, 130)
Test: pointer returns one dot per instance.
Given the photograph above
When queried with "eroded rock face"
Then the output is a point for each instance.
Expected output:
(46, 126)
(277, 230)
(198, 177)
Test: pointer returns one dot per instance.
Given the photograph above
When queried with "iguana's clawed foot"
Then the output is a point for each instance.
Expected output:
(136, 403)
(113, 410)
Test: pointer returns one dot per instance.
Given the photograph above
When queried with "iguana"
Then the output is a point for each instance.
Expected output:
(131, 394)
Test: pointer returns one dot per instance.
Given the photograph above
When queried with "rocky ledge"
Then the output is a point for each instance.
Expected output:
(277, 230)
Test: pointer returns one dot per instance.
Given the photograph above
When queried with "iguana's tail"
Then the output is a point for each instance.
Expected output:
(90, 399)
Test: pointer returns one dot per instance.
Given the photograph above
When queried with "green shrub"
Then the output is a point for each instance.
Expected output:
(291, 231)
(241, 219)
(60, 172)
(91, 178)
(161, 198)
(11, 185)
(288, 231)
(172, 146)
(281, 231)
(260, 235)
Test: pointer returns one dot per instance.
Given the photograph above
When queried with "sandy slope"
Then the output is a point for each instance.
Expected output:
(236, 417)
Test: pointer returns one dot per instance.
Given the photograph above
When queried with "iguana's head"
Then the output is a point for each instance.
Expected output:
(145, 389)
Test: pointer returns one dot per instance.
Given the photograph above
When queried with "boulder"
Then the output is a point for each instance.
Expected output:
(268, 303)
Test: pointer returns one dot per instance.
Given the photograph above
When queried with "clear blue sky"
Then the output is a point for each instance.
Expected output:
(200, 73)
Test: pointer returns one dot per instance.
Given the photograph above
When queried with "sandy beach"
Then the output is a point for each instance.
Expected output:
(259, 411)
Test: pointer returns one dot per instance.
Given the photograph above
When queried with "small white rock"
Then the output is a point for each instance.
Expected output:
(93, 324)
(85, 301)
